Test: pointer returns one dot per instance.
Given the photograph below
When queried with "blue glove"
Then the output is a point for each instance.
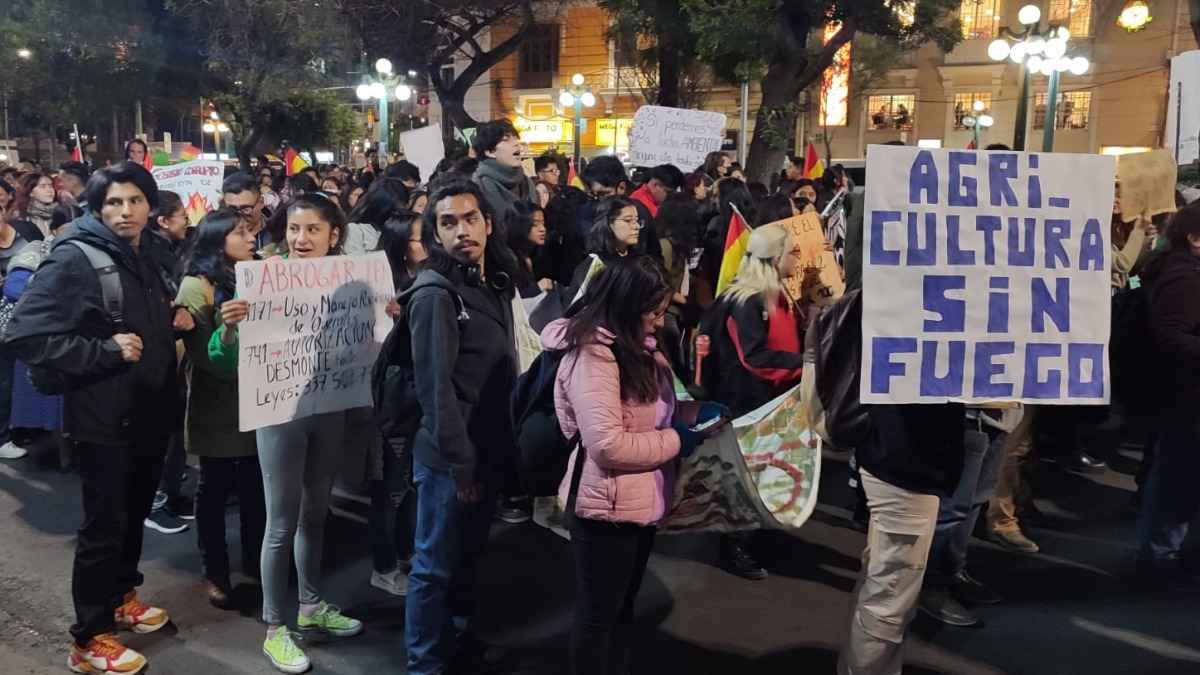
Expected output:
(710, 410)
(688, 439)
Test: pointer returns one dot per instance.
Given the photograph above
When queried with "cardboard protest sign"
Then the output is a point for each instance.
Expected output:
(314, 330)
(759, 472)
(425, 148)
(986, 276)
(198, 184)
(817, 275)
(1147, 184)
(674, 136)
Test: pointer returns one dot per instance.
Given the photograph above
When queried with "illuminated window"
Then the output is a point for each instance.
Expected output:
(1076, 15)
(891, 112)
(980, 19)
(1070, 113)
(964, 105)
(537, 60)
(835, 84)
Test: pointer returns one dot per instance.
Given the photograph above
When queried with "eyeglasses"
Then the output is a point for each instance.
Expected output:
(553, 169)
(631, 222)
(245, 211)
(596, 196)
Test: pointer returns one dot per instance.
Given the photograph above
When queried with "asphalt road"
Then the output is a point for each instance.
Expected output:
(1078, 608)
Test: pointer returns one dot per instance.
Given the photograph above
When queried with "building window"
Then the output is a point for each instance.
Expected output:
(625, 50)
(539, 57)
(891, 112)
(1076, 15)
(980, 19)
(964, 105)
(1070, 113)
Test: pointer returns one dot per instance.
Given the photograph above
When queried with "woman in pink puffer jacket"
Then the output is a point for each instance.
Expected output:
(615, 388)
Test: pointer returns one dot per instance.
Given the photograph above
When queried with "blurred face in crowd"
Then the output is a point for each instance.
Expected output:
(787, 263)
(737, 173)
(43, 193)
(5, 200)
(175, 226)
(508, 151)
(701, 192)
(723, 168)
(550, 174)
(653, 321)
(420, 204)
(627, 228)
(807, 192)
(601, 191)
(249, 205)
(537, 233)
(794, 171)
(137, 154)
(72, 185)
(462, 228)
(415, 254)
(239, 243)
(543, 194)
(265, 178)
(125, 211)
(658, 191)
(330, 186)
(352, 197)
(308, 235)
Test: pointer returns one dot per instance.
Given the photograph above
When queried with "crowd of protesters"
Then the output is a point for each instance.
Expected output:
(619, 272)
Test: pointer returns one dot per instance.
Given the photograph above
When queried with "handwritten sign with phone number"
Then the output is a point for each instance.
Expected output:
(310, 341)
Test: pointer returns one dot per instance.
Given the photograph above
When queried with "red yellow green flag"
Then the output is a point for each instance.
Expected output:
(736, 242)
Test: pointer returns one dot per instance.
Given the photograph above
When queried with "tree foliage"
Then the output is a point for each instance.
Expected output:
(70, 62)
(779, 43)
(425, 35)
(667, 70)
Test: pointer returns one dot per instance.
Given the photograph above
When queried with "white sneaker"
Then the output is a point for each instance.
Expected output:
(394, 582)
(11, 450)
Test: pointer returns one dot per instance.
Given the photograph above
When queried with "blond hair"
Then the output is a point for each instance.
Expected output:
(758, 274)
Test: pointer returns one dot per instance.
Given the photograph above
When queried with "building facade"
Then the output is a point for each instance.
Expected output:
(1119, 104)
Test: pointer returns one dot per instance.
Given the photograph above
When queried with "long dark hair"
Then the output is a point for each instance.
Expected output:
(729, 194)
(385, 198)
(600, 239)
(518, 220)
(501, 263)
(678, 222)
(773, 208)
(615, 300)
(712, 164)
(136, 141)
(397, 232)
(206, 257)
(1185, 223)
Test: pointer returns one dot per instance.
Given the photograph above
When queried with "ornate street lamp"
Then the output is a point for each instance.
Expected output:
(978, 120)
(1037, 50)
(579, 95)
(384, 85)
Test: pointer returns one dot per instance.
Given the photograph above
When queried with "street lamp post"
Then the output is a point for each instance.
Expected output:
(384, 85)
(978, 120)
(1037, 50)
(216, 127)
(577, 95)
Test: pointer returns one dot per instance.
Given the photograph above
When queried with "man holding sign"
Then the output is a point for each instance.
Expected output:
(985, 278)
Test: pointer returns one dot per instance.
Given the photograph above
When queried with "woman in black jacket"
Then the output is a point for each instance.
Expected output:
(1171, 500)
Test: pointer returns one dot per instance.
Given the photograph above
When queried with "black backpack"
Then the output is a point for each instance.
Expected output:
(49, 381)
(1131, 356)
(833, 349)
(393, 387)
(542, 449)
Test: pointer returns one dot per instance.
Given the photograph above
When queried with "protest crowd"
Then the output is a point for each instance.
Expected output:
(558, 347)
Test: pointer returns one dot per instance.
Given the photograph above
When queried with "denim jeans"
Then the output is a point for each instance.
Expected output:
(442, 588)
(957, 513)
(392, 516)
(1172, 496)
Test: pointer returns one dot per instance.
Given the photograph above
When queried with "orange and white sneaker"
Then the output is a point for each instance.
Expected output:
(103, 655)
(139, 617)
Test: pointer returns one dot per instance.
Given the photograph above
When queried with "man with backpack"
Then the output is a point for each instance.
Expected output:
(463, 361)
(96, 324)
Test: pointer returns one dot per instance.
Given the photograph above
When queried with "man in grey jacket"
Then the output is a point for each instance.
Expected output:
(497, 144)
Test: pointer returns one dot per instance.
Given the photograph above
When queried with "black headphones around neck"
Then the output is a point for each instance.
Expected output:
(473, 277)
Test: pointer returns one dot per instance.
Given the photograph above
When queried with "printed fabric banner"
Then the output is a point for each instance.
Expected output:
(759, 472)
(818, 276)
(674, 136)
(986, 276)
(314, 330)
(197, 183)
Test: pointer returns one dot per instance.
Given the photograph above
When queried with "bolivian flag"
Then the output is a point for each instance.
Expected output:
(736, 242)
(293, 163)
(813, 168)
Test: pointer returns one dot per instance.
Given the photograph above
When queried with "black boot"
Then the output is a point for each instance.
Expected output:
(738, 560)
(1083, 462)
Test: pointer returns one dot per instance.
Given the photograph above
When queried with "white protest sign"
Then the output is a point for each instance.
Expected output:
(986, 276)
(424, 147)
(674, 136)
(314, 330)
(198, 184)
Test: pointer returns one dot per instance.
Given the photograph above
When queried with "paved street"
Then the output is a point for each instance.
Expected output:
(1076, 609)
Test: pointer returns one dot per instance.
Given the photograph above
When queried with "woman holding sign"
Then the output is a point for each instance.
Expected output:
(299, 460)
(228, 457)
(755, 353)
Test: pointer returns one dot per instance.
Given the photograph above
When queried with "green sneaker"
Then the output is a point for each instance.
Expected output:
(328, 619)
(284, 653)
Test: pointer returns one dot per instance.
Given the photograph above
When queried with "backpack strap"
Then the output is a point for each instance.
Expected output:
(110, 279)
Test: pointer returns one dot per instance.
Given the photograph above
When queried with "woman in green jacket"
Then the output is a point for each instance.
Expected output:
(228, 457)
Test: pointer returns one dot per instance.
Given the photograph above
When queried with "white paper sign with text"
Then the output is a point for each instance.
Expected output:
(314, 330)
(197, 183)
(674, 136)
(986, 276)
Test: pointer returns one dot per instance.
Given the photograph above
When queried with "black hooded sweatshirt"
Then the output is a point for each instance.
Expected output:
(465, 367)
(61, 323)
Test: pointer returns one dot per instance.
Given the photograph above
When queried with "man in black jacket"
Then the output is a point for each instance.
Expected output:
(459, 310)
(117, 365)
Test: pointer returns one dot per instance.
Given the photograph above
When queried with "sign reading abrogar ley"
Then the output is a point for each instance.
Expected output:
(986, 276)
